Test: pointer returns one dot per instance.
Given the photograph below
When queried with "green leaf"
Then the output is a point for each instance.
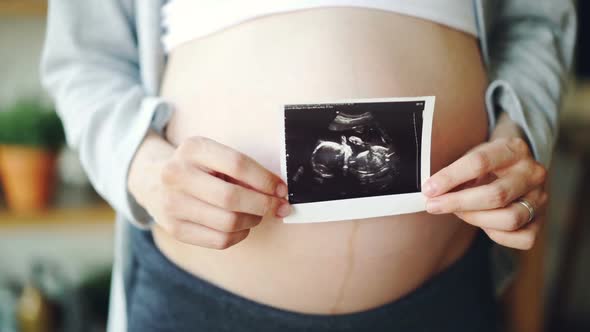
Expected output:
(30, 123)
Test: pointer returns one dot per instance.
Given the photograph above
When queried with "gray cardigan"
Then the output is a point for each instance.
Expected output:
(103, 63)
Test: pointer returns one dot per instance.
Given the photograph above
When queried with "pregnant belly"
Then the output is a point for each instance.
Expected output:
(229, 87)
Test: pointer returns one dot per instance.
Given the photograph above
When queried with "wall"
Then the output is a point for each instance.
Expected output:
(77, 249)
(21, 41)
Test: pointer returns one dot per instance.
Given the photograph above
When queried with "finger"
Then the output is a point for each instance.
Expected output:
(480, 161)
(213, 190)
(199, 235)
(497, 194)
(221, 158)
(522, 239)
(185, 207)
(510, 218)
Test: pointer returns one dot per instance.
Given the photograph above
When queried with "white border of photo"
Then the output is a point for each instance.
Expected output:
(365, 207)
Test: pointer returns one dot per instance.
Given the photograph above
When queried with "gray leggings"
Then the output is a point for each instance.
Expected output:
(163, 297)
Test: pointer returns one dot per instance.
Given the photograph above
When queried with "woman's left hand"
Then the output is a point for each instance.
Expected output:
(484, 187)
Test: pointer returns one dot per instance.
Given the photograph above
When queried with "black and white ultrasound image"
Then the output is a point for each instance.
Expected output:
(341, 151)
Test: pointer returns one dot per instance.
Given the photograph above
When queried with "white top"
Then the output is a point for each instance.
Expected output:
(185, 20)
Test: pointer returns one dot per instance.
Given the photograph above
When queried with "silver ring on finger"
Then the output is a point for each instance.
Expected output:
(529, 207)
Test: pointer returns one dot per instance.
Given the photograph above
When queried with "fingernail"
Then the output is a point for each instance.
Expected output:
(281, 190)
(433, 206)
(429, 188)
(284, 210)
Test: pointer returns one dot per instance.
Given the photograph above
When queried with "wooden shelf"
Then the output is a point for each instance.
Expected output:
(100, 213)
(23, 7)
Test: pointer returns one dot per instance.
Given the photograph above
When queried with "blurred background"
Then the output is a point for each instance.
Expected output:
(56, 234)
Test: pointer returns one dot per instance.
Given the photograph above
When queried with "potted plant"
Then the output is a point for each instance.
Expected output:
(30, 138)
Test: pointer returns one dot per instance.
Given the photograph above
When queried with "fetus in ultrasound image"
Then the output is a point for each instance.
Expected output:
(339, 151)
(364, 153)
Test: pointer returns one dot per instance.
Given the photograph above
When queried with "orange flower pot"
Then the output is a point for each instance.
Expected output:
(28, 175)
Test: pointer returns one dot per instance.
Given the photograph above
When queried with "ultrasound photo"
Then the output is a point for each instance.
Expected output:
(356, 155)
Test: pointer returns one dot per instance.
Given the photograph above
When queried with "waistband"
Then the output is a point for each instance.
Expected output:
(460, 298)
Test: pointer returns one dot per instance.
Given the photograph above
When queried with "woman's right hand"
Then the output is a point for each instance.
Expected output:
(203, 192)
